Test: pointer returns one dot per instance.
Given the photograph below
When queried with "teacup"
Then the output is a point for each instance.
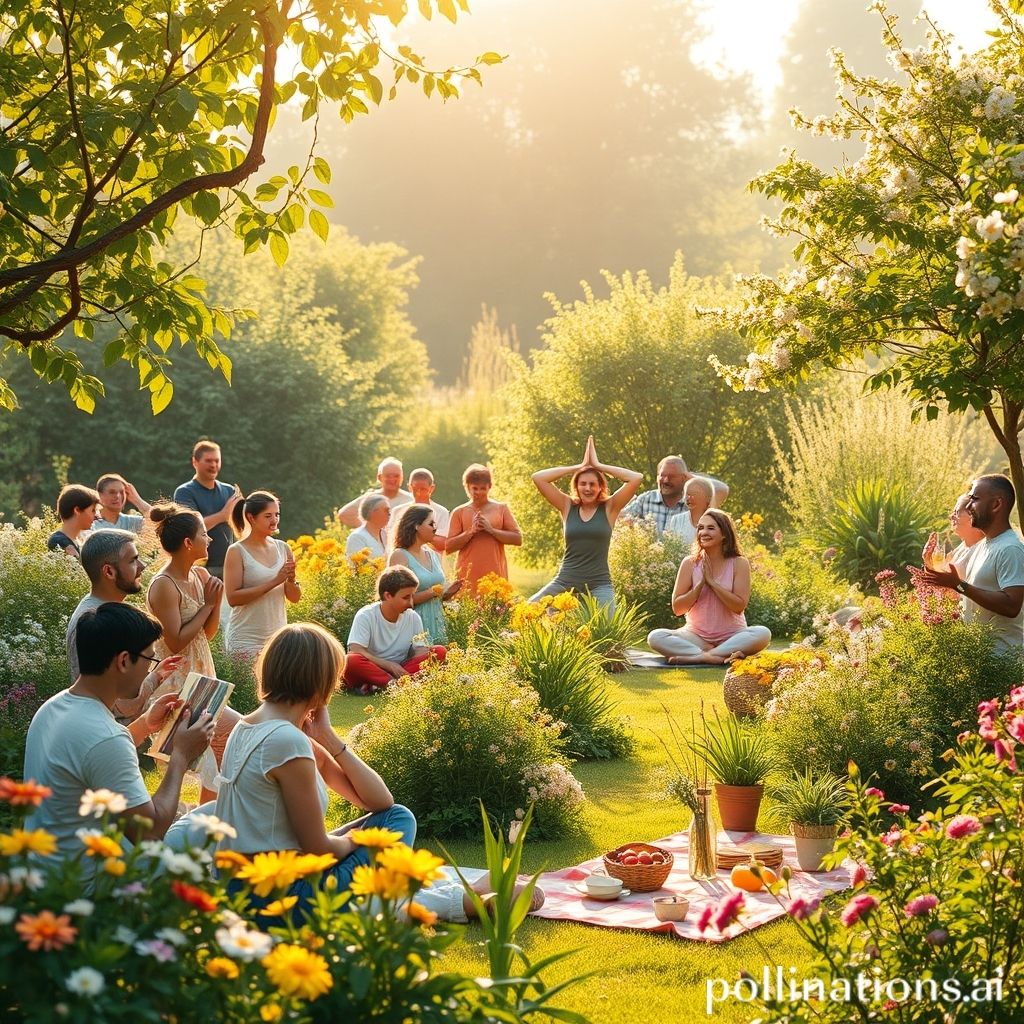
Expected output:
(602, 885)
(671, 908)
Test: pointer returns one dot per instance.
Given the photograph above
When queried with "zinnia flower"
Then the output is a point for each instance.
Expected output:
(921, 905)
(194, 897)
(222, 967)
(376, 837)
(24, 794)
(86, 981)
(98, 845)
(97, 802)
(296, 971)
(419, 864)
(859, 907)
(21, 840)
(963, 825)
(45, 930)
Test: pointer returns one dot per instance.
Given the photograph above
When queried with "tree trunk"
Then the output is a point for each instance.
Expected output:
(1008, 435)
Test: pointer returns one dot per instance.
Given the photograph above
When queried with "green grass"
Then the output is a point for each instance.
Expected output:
(643, 976)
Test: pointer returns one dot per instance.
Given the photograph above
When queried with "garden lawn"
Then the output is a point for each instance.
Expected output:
(644, 977)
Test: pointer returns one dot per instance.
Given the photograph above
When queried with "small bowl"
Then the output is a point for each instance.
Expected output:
(602, 885)
(670, 908)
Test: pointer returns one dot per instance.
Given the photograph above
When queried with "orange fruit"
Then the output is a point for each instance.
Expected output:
(744, 878)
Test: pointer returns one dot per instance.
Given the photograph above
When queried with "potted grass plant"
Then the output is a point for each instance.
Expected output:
(815, 805)
(738, 755)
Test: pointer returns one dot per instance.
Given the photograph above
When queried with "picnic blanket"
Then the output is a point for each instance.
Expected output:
(565, 902)
(639, 658)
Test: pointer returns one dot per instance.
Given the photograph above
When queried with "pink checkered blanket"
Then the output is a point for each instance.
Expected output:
(565, 901)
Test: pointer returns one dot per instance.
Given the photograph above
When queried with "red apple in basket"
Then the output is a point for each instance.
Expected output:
(630, 860)
(645, 857)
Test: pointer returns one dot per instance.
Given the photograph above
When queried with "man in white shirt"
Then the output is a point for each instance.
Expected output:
(115, 492)
(993, 577)
(75, 744)
(421, 483)
(666, 500)
(389, 475)
(387, 639)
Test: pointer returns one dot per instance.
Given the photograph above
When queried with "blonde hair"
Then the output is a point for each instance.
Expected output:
(300, 663)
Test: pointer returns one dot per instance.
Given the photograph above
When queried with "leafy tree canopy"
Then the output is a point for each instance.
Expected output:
(116, 117)
(913, 253)
(632, 369)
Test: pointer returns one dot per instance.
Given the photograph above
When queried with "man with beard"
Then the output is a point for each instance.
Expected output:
(666, 501)
(992, 585)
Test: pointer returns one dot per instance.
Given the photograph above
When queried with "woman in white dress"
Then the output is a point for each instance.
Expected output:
(259, 575)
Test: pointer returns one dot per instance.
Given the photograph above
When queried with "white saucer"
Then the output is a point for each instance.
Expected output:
(611, 898)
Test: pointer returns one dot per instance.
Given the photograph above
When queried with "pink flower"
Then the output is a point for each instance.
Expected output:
(937, 937)
(874, 791)
(1015, 727)
(1004, 752)
(963, 737)
(893, 837)
(705, 918)
(728, 911)
(800, 909)
(885, 574)
(963, 825)
(1016, 697)
(921, 905)
(899, 808)
(859, 876)
(777, 536)
(860, 906)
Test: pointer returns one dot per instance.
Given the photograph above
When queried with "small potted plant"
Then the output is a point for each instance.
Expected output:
(814, 805)
(740, 757)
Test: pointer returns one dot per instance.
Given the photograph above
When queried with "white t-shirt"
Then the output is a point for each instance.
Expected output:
(442, 517)
(74, 744)
(390, 640)
(251, 801)
(361, 538)
(995, 565)
(681, 526)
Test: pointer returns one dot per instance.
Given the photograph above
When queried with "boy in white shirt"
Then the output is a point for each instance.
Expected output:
(387, 639)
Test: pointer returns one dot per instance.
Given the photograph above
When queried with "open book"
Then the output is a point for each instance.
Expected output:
(200, 693)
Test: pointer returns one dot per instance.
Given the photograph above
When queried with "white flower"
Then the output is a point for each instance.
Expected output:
(86, 981)
(1009, 196)
(514, 828)
(7, 915)
(990, 228)
(965, 248)
(80, 907)
(242, 944)
(97, 802)
(779, 355)
(181, 864)
(175, 936)
(214, 827)
(1000, 103)
(125, 935)
(151, 848)
(31, 878)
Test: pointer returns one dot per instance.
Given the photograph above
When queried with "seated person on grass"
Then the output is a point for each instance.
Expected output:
(74, 743)
(387, 639)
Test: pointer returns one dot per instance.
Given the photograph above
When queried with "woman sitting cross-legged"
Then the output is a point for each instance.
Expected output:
(414, 536)
(387, 639)
(712, 589)
(281, 759)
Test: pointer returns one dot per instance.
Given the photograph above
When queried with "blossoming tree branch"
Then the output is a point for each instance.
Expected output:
(914, 252)
(116, 117)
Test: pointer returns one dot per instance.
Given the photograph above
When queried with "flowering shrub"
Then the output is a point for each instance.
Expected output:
(937, 898)
(334, 587)
(767, 666)
(236, 667)
(460, 732)
(483, 614)
(159, 937)
(644, 567)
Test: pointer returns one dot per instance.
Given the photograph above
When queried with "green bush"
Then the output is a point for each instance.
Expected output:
(461, 732)
(789, 588)
(644, 567)
(236, 668)
(612, 634)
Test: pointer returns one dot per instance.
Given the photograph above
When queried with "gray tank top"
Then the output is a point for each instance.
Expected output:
(585, 562)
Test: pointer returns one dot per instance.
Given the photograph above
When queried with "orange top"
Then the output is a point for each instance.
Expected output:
(483, 554)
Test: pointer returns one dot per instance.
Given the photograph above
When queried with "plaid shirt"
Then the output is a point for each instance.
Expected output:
(650, 506)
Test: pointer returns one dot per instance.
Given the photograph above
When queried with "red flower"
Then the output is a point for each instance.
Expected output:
(195, 897)
(899, 808)
(860, 906)
(27, 793)
(705, 918)
(728, 911)
(859, 876)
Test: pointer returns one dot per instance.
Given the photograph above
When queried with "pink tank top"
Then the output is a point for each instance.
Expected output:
(708, 617)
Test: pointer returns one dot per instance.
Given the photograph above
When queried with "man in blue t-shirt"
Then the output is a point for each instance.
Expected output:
(212, 500)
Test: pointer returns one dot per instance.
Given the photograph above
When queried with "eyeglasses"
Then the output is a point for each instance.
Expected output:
(148, 657)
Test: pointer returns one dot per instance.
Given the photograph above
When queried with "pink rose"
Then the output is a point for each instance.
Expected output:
(920, 905)
(963, 825)
(859, 907)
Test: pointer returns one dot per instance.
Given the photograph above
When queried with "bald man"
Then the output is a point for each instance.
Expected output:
(389, 475)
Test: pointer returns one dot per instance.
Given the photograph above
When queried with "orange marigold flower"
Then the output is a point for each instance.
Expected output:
(26, 794)
(418, 912)
(98, 845)
(115, 866)
(222, 967)
(45, 930)
(230, 860)
(278, 908)
(193, 896)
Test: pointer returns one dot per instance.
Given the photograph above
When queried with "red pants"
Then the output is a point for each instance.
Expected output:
(360, 671)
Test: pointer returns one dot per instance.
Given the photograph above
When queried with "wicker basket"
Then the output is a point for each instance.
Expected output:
(639, 877)
(744, 695)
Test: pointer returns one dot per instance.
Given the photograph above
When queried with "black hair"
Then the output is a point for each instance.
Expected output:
(104, 633)
(174, 524)
(397, 578)
(251, 506)
(1002, 486)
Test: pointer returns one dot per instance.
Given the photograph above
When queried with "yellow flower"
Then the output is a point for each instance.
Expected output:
(421, 914)
(367, 881)
(360, 556)
(296, 971)
(437, 590)
(269, 871)
(314, 863)
(229, 861)
(304, 541)
(278, 908)
(419, 864)
(377, 837)
(222, 967)
(565, 602)
(584, 634)
(271, 1013)
(23, 841)
(97, 845)
(114, 866)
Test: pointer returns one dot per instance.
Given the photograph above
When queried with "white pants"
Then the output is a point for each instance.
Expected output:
(685, 643)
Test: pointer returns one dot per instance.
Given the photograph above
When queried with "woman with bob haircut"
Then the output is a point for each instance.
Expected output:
(281, 759)
(712, 589)
(480, 529)
(76, 506)
(414, 536)
(374, 512)
(259, 575)
(588, 515)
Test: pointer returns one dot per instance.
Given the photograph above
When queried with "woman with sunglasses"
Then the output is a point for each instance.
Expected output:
(413, 548)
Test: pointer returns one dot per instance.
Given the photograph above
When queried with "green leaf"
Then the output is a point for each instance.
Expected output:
(161, 398)
(490, 57)
(320, 198)
(292, 219)
(279, 248)
(310, 53)
(322, 170)
(320, 225)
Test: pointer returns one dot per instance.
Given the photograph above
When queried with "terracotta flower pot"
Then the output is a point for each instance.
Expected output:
(812, 843)
(738, 806)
